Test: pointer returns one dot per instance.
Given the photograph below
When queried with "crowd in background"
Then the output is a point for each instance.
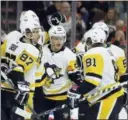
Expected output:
(88, 12)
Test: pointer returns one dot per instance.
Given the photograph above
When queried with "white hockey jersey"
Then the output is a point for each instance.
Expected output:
(13, 36)
(61, 62)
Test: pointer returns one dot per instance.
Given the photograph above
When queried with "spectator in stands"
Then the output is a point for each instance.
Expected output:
(119, 35)
(111, 18)
(121, 10)
(80, 29)
(82, 11)
(66, 10)
(55, 7)
(97, 11)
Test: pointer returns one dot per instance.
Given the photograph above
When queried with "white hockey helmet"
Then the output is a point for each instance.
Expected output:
(57, 31)
(94, 36)
(29, 15)
(103, 26)
(28, 26)
(30, 20)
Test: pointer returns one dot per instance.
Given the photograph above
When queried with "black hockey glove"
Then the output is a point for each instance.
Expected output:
(73, 97)
(124, 78)
(75, 76)
(22, 92)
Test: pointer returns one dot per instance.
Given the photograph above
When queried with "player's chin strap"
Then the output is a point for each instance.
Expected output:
(96, 96)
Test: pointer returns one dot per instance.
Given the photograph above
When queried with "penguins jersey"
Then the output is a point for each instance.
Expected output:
(25, 55)
(99, 69)
(60, 63)
(14, 35)
(120, 58)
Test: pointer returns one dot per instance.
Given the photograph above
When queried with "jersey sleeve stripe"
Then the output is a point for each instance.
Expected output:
(39, 82)
(19, 69)
(93, 78)
(42, 78)
(21, 66)
(94, 75)
(93, 81)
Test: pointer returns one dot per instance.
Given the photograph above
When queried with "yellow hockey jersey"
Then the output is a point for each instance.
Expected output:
(119, 57)
(99, 68)
(24, 54)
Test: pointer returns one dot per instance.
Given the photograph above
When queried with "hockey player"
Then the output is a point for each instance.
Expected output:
(41, 38)
(81, 45)
(43, 35)
(53, 20)
(112, 49)
(19, 63)
(60, 67)
(119, 56)
(101, 25)
(99, 70)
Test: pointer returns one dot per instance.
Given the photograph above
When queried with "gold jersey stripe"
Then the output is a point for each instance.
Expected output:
(56, 91)
(19, 69)
(61, 97)
(3, 48)
(93, 81)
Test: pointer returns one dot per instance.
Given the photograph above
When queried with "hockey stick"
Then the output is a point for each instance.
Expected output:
(32, 116)
(99, 94)
(18, 111)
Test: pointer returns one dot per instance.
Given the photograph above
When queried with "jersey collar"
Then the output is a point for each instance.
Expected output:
(62, 49)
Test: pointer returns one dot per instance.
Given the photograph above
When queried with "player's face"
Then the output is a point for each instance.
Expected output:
(28, 33)
(35, 35)
(57, 43)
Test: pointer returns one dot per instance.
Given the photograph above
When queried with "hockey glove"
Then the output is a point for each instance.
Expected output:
(75, 76)
(22, 92)
(124, 78)
(73, 97)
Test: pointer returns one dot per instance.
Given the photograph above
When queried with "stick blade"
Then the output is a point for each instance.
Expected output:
(21, 112)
